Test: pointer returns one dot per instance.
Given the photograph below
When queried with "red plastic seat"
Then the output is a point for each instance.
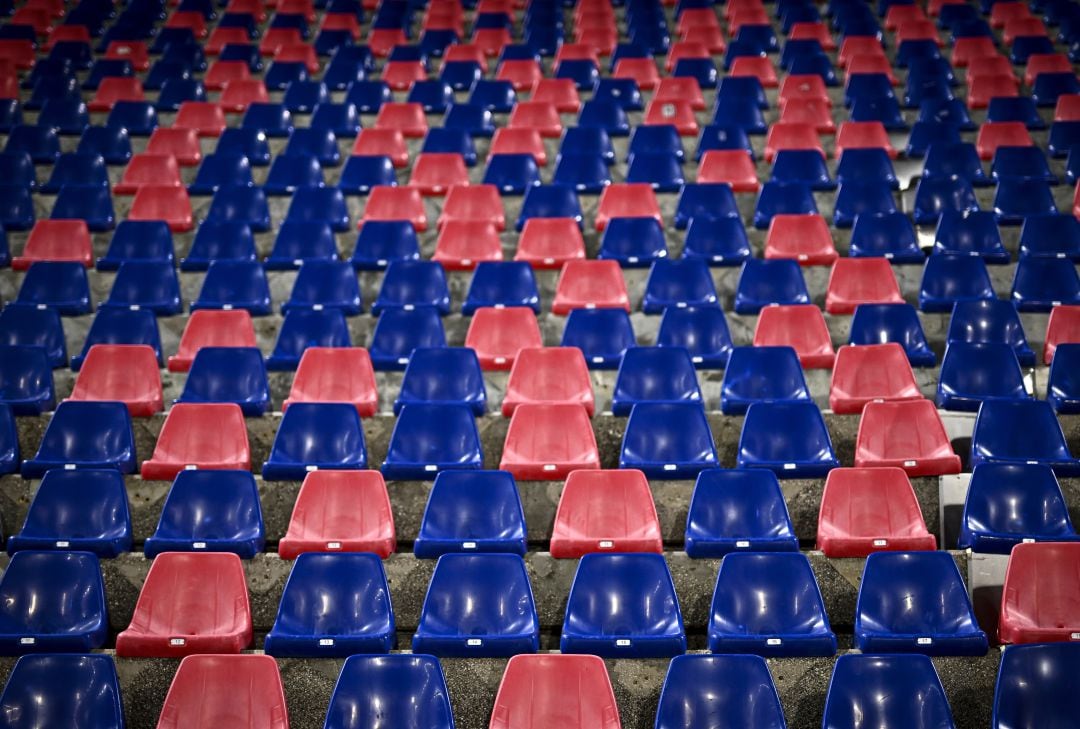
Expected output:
(178, 142)
(18, 52)
(1076, 201)
(871, 373)
(605, 511)
(791, 136)
(800, 326)
(549, 375)
(866, 510)
(473, 202)
(492, 40)
(1041, 594)
(124, 373)
(67, 33)
(555, 690)
(335, 374)
(1022, 28)
(238, 93)
(221, 73)
(1001, 134)
(255, 8)
(191, 602)
(434, 173)
(759, 67)
(679, 114)
(590, 284)
(933, 7)
(627, 200)
(464, 243)
(641, 70)
(1067, 108)
(298, 52)
(691, 18)
(536, 115)
(382, 143)
(465, 52)
(222, 36)
(163, 202)
(1045, 63)
(684, 49)
(816, 113)
(919, 29)
(859, 45)
(709, 36)
(341, 511)
(134, 52)
(813, 31)
(908, 434)
(680, 88)
(804, 238)
(1062, 328)
(382, 40)
(37, 18)
(871, 63)
(396, 203)
(297, 7)
(400, 75)
(521, 73)
(1001, 13)
(732, 166)
(212, 328)
(995, 65)
(192, 20)
(900, 14)
(342, 21)
(746, 15)
(405, 117)
(241, 692)
(498, 335)
(113, 89)
(548, 441)
(519, 141)
(983, 88)
(803, 86)
(550, 242)
(560, 92)
(967, 50)
(863, 135)
(855, 281)
(148, 169)
(273, 39)
(56, 240)
(577, 52)
(205, 435)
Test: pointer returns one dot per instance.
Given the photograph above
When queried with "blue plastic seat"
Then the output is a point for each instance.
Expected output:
(550, 201)
(221, 169)
(412, 284)
(112, 143)
(343, 73)
(325, 284)
(737, 511)
(228, 375)
(585, 173)
(138, 240)
(802, 166)
(889, 236)
(702, 331)
(588, 141)
(923, 85)
(434, 95)
(607, 115)
(787, 198)
(926, 133)
(1048, 87)
(1026, 46)
(677, 284)
(769, 605)
(970, 234)
(361, 174)
(210, 511)
(916, 602)
(397, 688)
(1021, 163)
(1015, 199)
(660, 140)
(319, 144)
(744, 87)
(52, 88)
(614, 92)
(883, 323)
(235, 284)
(1064, 135)
(381, 241)
(861, 86)
(1036, 685)
(478, 605)
(973, 373)
(1063, 385)
(886, 690)
(739, 112)
(399, 331)
(717, 241)
(512, 174)
(668, 440)
(790, 438)
(501, 284)
(623, 606)
(862, 197)
(1015, 109)
(713, 200)
(165, 70)
(59, 285)
(240, 205)
(633, 242)
(583, 72)
(460, 75)
(151, 285)
(16, 207)
(948, 279)
(473, 118)
(18, 170)
(450, 141)
(990, 321)
(935, 195)
(91, 203)
(766, 282)
(10, 114)
(289, 173)
(303, 328)
(176, 91)
(139, 118)
(663, 171)
(67, 116)
(865, 166)
(316, 436)
(26, 380)
(245, 141)
(273, 120)
(714, 690)
(443, 375)
(495, 96)
(48, 690)
(84, 434)
(701, 70)
(1021, 431)
(602, 335)
(949, 160)
(118, 325)
(303, 96)
(757, 39)
(1053, 236)
(341, 119)
(471, 512)
(654, 374)
(52, 602)
(9, 441)
(33, 327)
(219, 241)
(1043, 283)
(301, 241)
(429, 438)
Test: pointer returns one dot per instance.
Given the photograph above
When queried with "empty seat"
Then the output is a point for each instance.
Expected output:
(53, 602)
(138, 240)
(573, 691)
(888, 690)
(462, 244)
(209, 328)
(85, 435)
(732, 167)
(871, 373)
(474, 512)
(1040, 284)
(644, 619)
(800, 327)
(710, 201)
(51, 689)
(335, 374)
(1035, 685)
(593, 516)
(654, 374)
(235, 285)
(498, 334)
(589, 285)
(62, 286)
(1009, 504)
(972, 234)
(1039, 595)
(220, 241)
(410, 284)
(244, 691)
(115, 325)
(905, 433)
(396, 203)
(804, 238)
(124, 373)
(1062, 388)
(395, 688)
(1050, 235)
(1063, 327)
(602, 335)
(761, 374)
(228, 375)
(299, 241)
(323, 285)
(429, 438)
(210, 435)
(990, 321)
(933, 195)
(381, 241)
(473, 202)
(789, 438)
(974, 372)
(56, 240)
(763, 283)
(443, 375)
(211, 511)
(26, 380)
(399, 331)
(336, 511)
(548, 440)
(738, 510)
(716, 689)
(17, 208)
(548, 375)
(1021, 431)
(949, 279)
(632, 241)
(500, 284)
(668, 440)
(150, 285)
(549, 201)
(857, 281)
(31, 326)
(865, 510)
(718, 241)
(314, 436)
(676, 284)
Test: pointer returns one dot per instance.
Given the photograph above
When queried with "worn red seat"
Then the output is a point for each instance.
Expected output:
(1045, 63)
(859, 45)
(551, 689)
(19, 52)
(1062, 328)
(341, 511)
(498, 335)
(335, 374)
(679, 89)
(192, 20)
(522, 74)
(691, 18)
(590, 284)
(405, 117)
(871, 63)
(577, 52)
(122, 373)
(382, 143)
(243, 692)
(1001, 134)
(134, 52)
(163, 202)
(855, 281)
(341, 22)
(178, 142)
(549, 375)
(643, 71)
(605, 511)
(748, 14)
(866, 510)
(734, 167)
(396, 203)
(67, 33)
(813, 31)
(464, 243)
(759, 67)
(275, 38)
(804, 238)
(907, 434)
(519, 141)
(548, 441)
(382, 40)
(984, 87)
(434, 173)
(800, 326)
(816, 113)
(113, 89)
(967, 50)
(401, 75)
(473, 202)
(708, 35)
(212, 328)
(863, 135)
(222, 36)
(206, 118)
(148, 169)
(679, 114)
(871, 373)
(1041, 594)
(204, 435)
(536, 115)
(492, 40)
(560, 92)
(803, 86)
(297, 52)
(222, 72)
(465, 52)
(786, 135)
(190, 603)
(1067, 108)
(238, 93)
(995, 65)
(56, 240)
(627, 200)
(550, 242)
(1022, 28)
(1003, 12)
(918, 29)
(684, 49)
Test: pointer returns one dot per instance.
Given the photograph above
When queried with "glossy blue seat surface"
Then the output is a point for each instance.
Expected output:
(429, 438)
(398, 331)
(972, 373)
(234, 284)
(654, 374)
(230, 375)
(789, 438)
(472, 512)
(1021, 431)
(1036, 685)
(765, 282)
(602, 335)
(448, 375)
(56, 688)
(677, 284)
(501, 284)
(138, 240)
(118, 325)
(668, 440)
(397, 688)
(989, 321)
(84, 434)
(316, 436)
(716, 690)
(412, 284)
(210, 511)
(735, 511)
(886, 690)
(26, 379)
(761, 374)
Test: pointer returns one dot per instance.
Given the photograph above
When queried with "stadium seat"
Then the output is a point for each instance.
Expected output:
(473, 203)
(498, 334)
(854, 282)
(747, 616)
(970, 234)
(654, 374)
(590, 285)
(429, 438)
(801, 327)
(324, 284)
(41, 143)
(54, 602)
(936, 194)
(300, 241)
(789, 438)
(1062, 328)
(763, 283)
(442, 375)
(90, 203)
(335, 374)
(862, 197)
(16, 208)
(151, 285)
(1039, 594)
(712, 201)
(243, 690)
(1021, 431)
(240, 204)
(69, 443)
(70, 169)
(463, 244)
(761, 374)
(717, 241)
(50, 689)
(1063, 390)
(212, 511)
(904, 433)
(870, 373)
(703, 332)
(500, 284)
(396, 203)
(318, 326)
(668, 440)
(231, 374)
(400, 330)
(381, 241)
(548, 440)
(138, 240)
(916, 602)
(886, 689)
(302, 445)
(315, 205)
(1040, 284)
(732, 167)
(209, 328)
(540, 689)
(1035, 684)
(208, 436)
(221, 170)
(805, 166)
(36, 327)
(345, 511)
(389, 143)
(26, 380)
(1050, 235)
(121, 372)
(718, 689)
(592, 517)
(602, 335)
(949, 279)
(1015, 199)
(990, 321)
(62, 286)
(392, 688)
(974, 372)
(633, 242)
(738, 510)
(548, 375)
(676, 284)
(471, 512)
